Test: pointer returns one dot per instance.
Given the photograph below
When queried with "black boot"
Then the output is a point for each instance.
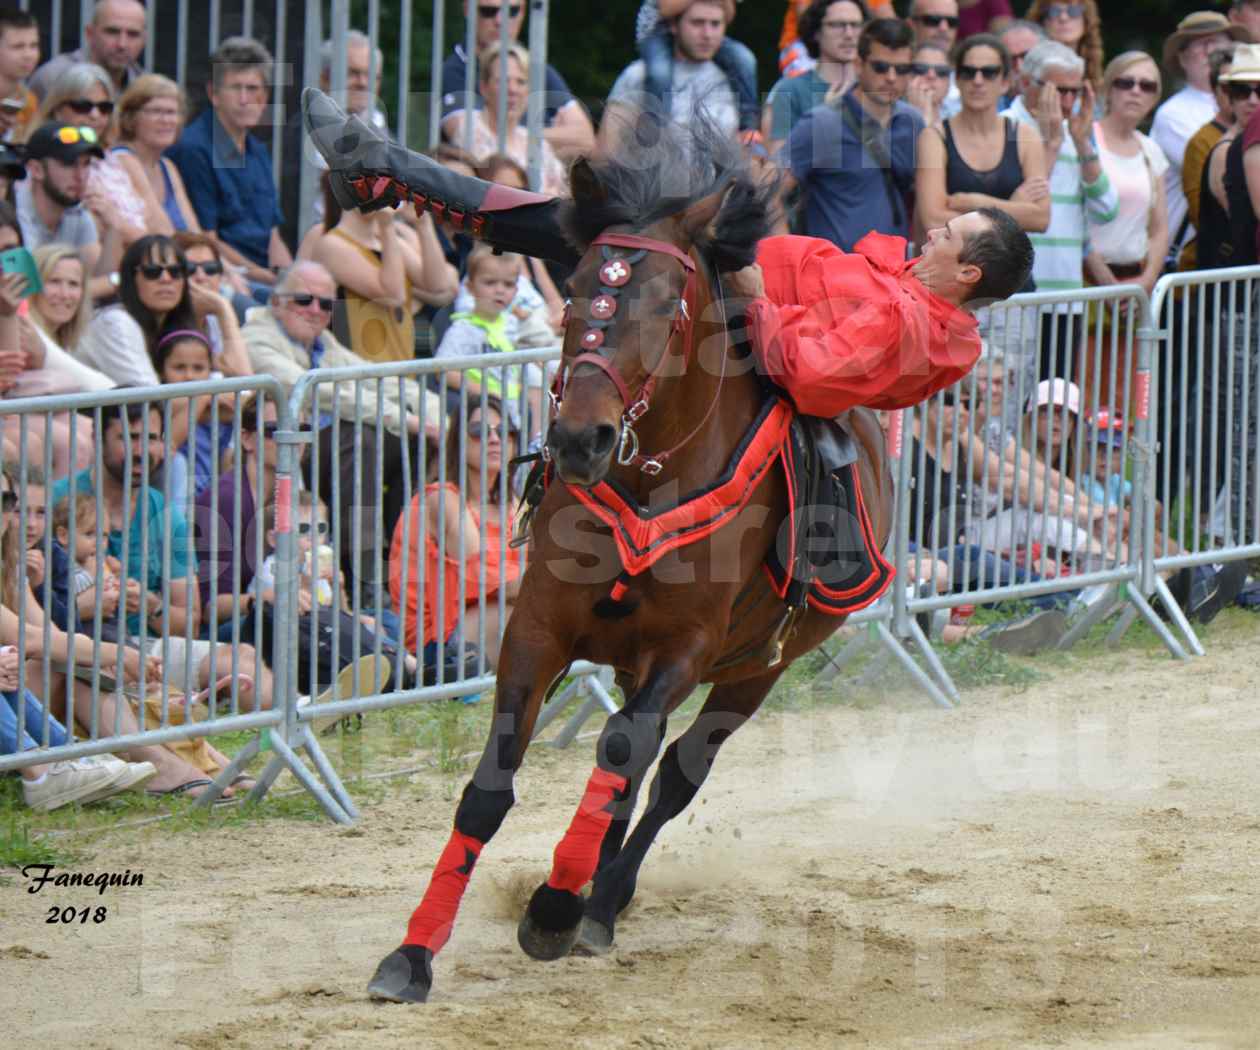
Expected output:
(367, 172)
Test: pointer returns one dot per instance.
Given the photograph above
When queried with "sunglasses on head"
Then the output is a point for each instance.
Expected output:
(937, 20)
(966, 72)
(153, 272)
(211, 267)
(922, 69)
(8, 502)
(1064, 11)
(491, 10)
(84, 106)
(320, 529)
(880, 68)
(1240, 90)
(69, 135)
(305, 299)
(1150, 87)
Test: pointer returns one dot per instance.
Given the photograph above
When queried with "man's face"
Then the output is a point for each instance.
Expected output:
(123, 451)
(700, 30)
(938, 266)
(63, 182)
(1068, 85)
(19, 53)
(1194, 56)
(839, 31)
(1019, 42)
(1247, 15)
(240, 98)
(936, 22)
(299, 310)
(116, 36)
(359, 87)
(36, 510)
(882, 75)
(490, 15)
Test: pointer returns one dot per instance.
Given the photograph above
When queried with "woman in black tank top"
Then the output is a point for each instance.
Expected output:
(979, 159)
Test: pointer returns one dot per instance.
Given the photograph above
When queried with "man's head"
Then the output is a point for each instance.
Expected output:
(829, 29)
(1020, 37)
(129, 433)
(935, 22)
(19, 44)
(360, 89)
(700, 30)
(57, 159)
(1246, 13)
(1197, 36)
(240, 82)
(977, 258)
(884, 58)
(1242, 83)
(1053, 63)
(116, 35)
(490, 15)
(302, 301)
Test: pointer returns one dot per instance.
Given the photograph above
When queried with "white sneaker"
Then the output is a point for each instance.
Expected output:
(68, 782)
(130, 775)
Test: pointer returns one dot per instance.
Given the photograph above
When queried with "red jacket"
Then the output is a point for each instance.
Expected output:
(837, 330)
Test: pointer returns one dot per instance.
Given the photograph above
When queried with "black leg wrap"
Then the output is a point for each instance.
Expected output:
(405, 975)
(481, 812)
(549, 926)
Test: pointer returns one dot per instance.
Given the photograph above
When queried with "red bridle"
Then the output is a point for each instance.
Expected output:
(613, 275)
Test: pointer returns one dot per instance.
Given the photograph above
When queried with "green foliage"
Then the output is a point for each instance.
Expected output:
(19, 848)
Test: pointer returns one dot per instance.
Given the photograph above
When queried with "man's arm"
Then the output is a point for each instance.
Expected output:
(278, 253)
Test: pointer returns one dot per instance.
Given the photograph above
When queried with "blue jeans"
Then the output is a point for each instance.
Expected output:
(732, 58)
(9, 743)
(973, 568)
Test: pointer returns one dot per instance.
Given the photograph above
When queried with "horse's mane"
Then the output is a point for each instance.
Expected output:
(651, 168)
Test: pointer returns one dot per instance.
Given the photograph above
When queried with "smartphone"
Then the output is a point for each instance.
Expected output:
(19, 260)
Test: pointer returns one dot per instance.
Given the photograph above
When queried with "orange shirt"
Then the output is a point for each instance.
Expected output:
(496, 573)
(838, 329)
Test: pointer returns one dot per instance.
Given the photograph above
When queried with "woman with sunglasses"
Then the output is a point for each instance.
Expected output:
(1131, 247)
(1078, 25)
(977, 159)
(154, 296)
(149, 119)
(220, 297)
(929, 84)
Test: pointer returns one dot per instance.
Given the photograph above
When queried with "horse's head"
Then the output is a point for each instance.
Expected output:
(636, 297)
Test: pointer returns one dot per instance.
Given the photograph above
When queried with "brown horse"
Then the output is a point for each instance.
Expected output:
(656, 402)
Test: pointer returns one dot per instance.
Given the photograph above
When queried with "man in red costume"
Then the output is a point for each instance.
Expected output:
(833, 329)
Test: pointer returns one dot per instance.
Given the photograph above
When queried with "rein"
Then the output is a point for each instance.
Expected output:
(613, 275)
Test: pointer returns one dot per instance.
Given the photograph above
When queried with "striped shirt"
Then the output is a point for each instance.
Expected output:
(1058, 254)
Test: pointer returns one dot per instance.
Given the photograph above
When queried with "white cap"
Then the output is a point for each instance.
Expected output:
(1057, 392)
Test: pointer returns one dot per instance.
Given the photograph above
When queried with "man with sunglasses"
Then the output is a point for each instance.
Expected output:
(1058, 101)
(935, 22)
(855, 159)
(49, 201)
(1187, 51)
(567, 127)
(116, 38)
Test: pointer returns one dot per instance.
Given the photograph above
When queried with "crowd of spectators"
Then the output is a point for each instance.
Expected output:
(163, 250)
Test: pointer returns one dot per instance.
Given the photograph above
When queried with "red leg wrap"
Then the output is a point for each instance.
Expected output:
(431, 923)
(577, 853)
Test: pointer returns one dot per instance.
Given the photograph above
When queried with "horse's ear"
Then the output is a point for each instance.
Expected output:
(584, 185)
(695, 221)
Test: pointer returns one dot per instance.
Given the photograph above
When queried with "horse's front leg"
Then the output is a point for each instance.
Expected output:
(627, 747)
(530, 661)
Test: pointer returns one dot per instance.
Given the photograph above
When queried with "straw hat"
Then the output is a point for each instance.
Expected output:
(1246, 64)
(1193, 26)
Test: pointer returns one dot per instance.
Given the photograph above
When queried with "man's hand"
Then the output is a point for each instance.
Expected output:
(1049, 117)
(1081, 123)
(747, 283)
(133, 597)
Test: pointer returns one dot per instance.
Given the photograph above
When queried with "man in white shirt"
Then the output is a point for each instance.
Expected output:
(697, 80)
(1187, 51)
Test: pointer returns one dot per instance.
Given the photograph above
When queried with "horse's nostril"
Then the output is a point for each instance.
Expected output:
(604, 438)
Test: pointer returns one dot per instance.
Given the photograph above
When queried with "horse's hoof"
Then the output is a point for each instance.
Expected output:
(594, 938)
(545, 945)
(405, 975)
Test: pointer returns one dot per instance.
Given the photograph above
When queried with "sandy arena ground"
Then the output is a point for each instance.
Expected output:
(1073, 866)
